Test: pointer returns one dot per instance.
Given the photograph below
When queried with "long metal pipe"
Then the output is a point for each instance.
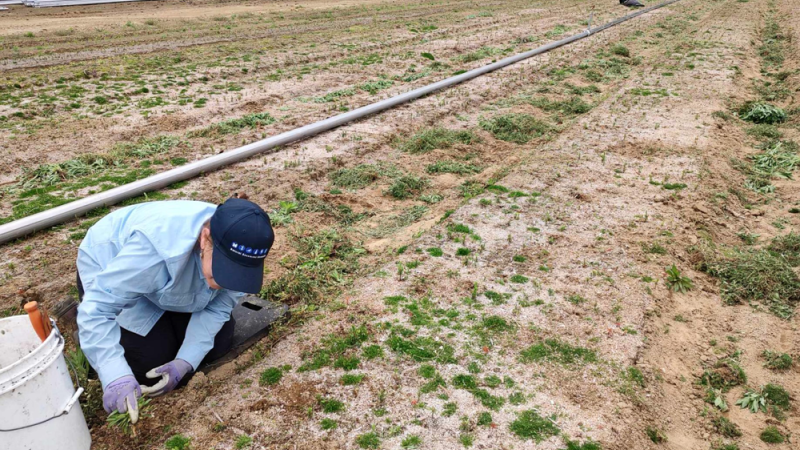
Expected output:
(46, 219)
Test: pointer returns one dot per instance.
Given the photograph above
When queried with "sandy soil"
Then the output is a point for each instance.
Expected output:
(575, 213)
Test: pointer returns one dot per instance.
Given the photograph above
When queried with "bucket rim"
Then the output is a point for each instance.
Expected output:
(34, 362)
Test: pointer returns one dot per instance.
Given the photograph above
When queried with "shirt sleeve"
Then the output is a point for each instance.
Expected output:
(204, 326)
(136, 270)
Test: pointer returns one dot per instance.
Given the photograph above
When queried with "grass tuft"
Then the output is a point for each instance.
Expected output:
(437, 138)
(558, 351)
(762, 112)
(516, 128)
(755, 276)
(530, 425)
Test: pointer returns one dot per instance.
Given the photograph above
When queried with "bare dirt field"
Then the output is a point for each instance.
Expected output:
(593, 248)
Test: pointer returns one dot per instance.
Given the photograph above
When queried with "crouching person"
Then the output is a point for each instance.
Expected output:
(158, 282)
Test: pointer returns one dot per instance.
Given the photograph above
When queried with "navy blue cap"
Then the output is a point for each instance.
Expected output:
(242, 236)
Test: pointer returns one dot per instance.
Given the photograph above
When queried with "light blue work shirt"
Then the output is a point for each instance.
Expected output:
(136, 263)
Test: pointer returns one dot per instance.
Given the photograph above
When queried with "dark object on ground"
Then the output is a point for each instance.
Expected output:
(254, 317)
(631, 3)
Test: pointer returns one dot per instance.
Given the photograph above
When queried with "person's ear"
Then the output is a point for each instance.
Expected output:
(205, 237)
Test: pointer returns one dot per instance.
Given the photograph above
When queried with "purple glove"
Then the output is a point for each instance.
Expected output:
(170, 373)
(121, 394)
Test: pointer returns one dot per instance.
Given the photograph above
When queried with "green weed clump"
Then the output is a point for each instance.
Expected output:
(368, 440)
(328, 424)
(233, 126)
(351, 379)
(764, 131)
(787, 247)
(437, 138)
(515, 127)
(479, 54)
(530, 425)
(270, 377)
(762, 112)
(422, 349)
(178, 442)
(778, 159)
(457, 167)
(484, 419)
(317, 270)
(557, 351)
(355, 178)
(330, 405)
(243, 441)
(726, 374)
(621, 50)
(656, 436)
(777, 361)
(407, 186)
(777, 396)
(725, 427)
(587, 445)
(122, 421)
(334, 346)
(411, 442)
(772, 435)
(51, 174)
(573, 106)
(755, 276)
(374, 86)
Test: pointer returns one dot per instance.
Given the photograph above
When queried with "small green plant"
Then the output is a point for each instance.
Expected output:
(373, 351)
(449, 409)
(122, 421)
(677, 282)
(655, 435)
(355, 178)
(407, 186)
(466, 439)
(516, 128)
(177, 442)
(558, 351)
(368, 440)
(777, 361)
(411, 442)
(530, 425)
(243, 441)
(457, 167)
(762, 112)
(726, 428)
(270, 377)
(484, 419)
(328, 424)
(351, 379)
(587, 445)
(654, 248)
(754, 401)
(771, 435)
(330, 405)
(788, 247)
(463, 251)
(520, 279)
(621, 50)
(437, 138)
(435, 252)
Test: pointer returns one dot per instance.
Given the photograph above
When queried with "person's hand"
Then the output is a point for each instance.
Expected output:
(122, 395)
(170, 373)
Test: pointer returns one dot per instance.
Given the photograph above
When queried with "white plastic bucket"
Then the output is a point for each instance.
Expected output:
(39, 407)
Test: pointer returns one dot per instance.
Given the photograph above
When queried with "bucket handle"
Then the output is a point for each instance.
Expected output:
(70, 403)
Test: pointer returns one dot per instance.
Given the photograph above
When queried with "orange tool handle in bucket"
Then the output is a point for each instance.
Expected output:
(39, 320)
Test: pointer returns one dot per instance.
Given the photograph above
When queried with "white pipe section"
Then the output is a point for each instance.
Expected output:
(46, 219)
